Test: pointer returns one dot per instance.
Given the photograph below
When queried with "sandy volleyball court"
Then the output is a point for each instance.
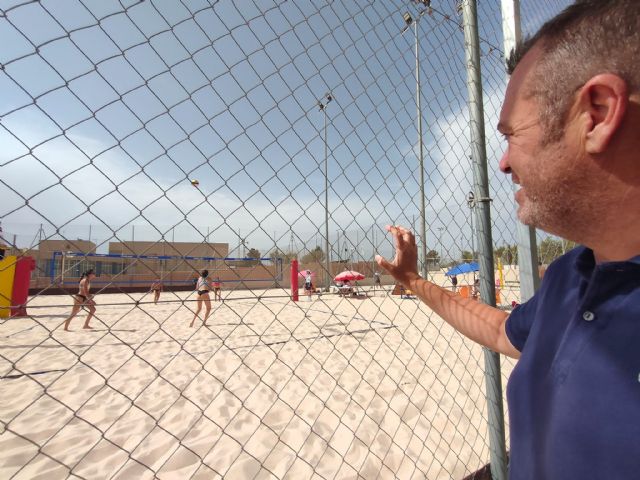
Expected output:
(333, 388)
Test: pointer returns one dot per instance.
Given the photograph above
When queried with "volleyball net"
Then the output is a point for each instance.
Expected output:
(120, 272)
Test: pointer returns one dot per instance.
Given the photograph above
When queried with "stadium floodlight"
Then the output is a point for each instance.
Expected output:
(408, 20)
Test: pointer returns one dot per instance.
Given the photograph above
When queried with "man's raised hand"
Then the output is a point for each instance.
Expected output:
(404, 267)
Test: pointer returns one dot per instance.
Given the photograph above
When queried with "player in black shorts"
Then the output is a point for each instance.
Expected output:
(83, 299)
(203, 287)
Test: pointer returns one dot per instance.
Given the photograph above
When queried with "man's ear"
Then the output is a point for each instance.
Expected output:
(603, 101)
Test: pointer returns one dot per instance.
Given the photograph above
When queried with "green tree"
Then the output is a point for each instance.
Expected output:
(433, 260)
(466, 256)
(253, 253)
(510, 255)
(449, 264)
(314, 256)
(285, 256)
(567, 245)
(551, 248)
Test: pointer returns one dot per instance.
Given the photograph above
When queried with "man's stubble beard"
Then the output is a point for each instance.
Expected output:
(559, 195)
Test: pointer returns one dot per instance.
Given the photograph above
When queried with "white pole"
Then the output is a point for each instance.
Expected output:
(527, 251)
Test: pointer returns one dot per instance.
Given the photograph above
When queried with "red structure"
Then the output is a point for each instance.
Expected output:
(294, 280)
(21, 280)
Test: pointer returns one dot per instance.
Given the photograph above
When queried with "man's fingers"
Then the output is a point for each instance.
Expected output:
(401, 235)
(397, 241)
(407, 235)
(383, 262)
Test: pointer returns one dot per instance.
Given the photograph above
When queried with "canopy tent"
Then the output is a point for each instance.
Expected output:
(463, 268)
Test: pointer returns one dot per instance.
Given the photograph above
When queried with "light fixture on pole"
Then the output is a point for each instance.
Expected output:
(471, 202)
(409, 20)
(322, 105)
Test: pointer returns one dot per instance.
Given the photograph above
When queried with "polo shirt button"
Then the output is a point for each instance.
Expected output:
(588, 315)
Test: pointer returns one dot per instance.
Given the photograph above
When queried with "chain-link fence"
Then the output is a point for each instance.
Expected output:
(150, 140)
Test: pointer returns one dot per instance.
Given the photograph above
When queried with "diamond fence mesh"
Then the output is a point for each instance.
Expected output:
(150, 140)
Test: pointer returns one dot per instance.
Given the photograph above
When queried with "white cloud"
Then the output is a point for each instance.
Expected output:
(168, 199)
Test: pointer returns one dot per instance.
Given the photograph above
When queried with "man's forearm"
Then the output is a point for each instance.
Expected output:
(479, 322)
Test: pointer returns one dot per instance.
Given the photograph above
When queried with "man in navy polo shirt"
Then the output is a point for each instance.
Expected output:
(571, 117)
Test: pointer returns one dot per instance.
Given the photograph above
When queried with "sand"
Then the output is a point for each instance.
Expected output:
(330, 388)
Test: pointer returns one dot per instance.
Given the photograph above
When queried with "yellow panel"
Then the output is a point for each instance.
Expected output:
(7, 271)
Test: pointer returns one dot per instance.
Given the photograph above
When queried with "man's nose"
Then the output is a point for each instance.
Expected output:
(504, 162)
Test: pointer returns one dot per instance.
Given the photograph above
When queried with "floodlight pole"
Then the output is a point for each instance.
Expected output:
(323, 107)
(408, 19)
(423, 222)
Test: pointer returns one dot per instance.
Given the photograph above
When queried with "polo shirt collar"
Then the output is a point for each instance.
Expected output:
(585, 264)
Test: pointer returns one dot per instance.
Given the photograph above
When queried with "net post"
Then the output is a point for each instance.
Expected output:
(294, 280)
(21, 280)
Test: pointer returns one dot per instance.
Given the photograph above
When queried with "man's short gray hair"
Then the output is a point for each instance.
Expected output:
(587, 38)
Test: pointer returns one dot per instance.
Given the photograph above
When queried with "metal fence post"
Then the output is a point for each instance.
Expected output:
(493, 379)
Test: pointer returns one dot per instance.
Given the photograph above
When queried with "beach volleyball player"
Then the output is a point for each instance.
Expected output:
(83, 299)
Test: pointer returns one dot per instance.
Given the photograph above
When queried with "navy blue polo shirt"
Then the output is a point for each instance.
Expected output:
(574, 395)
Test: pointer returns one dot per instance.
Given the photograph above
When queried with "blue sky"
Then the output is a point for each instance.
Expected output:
(110, 108)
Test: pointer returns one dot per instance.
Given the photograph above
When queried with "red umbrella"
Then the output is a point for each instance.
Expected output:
(348, 275)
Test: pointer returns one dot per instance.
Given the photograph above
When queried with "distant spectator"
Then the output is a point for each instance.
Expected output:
(475, 289)
(345, 288)
(217, 290)
(156, 288)
(454, 282)
(308, 284)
